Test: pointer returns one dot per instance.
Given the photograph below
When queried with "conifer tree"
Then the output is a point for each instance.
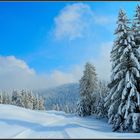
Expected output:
(124, 96)
(136, 26)
(41, 103)
(56, 107)
(30, 99)
(1, 98)
(102, 92)
(88, 84)
(35, 102)
(17, 99)
(4, 97)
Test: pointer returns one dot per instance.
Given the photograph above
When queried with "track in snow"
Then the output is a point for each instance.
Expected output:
(17, 122)
(30, 133)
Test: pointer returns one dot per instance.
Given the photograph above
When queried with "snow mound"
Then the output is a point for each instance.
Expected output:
(17, 122)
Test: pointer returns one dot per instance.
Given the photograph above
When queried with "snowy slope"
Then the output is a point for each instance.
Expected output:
(16, 122)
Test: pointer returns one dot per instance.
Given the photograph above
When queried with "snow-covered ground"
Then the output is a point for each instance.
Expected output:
(16, 122)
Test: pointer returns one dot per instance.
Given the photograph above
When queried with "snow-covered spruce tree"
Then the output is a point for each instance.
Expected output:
(67, 109)
(4, 95)
(56, 107)
(41, 103)
(17, 99)
(25, 96)
(136, 26)
(124, 96)
(8, 99)
(88, 84)
(1, 98)
(102, 92)
(30, 99)
(35, 102)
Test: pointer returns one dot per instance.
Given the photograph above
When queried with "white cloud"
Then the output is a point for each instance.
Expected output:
(75, 20)
(16, 74)
(58, 77)
(72, 21)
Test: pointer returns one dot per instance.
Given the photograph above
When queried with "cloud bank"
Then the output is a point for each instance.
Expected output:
(16, 74)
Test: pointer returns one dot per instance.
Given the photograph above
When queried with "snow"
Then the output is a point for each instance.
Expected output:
(17, 122)
(124, 93)
(135, 60)
(125, 42)
(136, 117)
(138, 98)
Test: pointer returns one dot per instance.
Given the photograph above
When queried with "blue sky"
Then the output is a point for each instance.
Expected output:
(37, 33)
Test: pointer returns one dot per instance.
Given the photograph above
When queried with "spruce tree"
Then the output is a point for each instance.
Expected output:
(41, 103)
(25, 98)
(1, 98)
(8, 99)
(28, 99)
(124, 96)
(56, 107)
(136, 26)
(88, 84)
(4, 97)
(17, 98)
(102, 92)
(35, 102)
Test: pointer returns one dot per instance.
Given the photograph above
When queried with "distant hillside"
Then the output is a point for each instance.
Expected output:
(62, 97)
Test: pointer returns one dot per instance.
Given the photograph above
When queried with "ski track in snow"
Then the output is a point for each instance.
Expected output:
(17, 122)
(28, 132)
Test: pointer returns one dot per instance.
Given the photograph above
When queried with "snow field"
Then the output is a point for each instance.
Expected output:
(17, 122)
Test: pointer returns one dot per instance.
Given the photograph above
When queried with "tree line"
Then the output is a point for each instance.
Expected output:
(23, 98)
